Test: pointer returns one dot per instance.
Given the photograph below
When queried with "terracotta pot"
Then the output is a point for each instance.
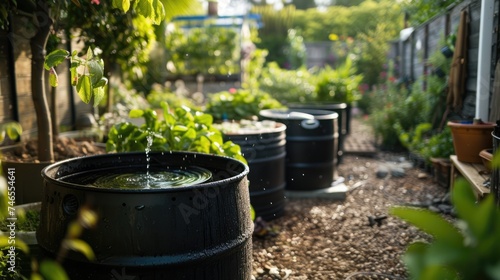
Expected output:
(469, 139)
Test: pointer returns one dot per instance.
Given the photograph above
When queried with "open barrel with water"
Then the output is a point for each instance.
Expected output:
(187, 216)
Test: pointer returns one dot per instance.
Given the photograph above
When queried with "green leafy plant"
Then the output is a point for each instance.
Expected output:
(439, 145)
(210, 50)
(239, 104)
(414, 140)
(466, 249)
(340, 84)
(288, 85)
(181, 129)
(87, 74)
(157, 97)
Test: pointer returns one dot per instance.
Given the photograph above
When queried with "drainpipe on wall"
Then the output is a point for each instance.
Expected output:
(484, 60)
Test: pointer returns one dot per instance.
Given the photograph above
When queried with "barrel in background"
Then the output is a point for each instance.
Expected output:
(343, 121)
(265, 153)
(311, 143)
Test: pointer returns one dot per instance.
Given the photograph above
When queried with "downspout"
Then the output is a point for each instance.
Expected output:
(484, 60)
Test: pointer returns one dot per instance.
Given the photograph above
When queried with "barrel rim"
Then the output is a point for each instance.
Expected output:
(280, 127)
(284, 114)
(240, 169)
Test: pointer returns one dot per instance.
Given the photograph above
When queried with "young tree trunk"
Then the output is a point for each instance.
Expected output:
(37, 44)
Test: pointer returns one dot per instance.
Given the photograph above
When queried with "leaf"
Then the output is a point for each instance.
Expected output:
(53, 79)
(252, 213)
(81, 246)
(84, 88)
(90, 54)
(55, 58)
(495, 162)
(52, 270)
(465, 204)
(123, 5)
(136, 113)
(430, 223)
(98, 95)
(13, 130)
(96, 71)
(414, 258)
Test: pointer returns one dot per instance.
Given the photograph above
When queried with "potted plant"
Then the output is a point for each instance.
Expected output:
(438, 150)
(470, 137)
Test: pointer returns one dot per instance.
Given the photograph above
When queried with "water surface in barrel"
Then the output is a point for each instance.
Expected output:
(152, 178)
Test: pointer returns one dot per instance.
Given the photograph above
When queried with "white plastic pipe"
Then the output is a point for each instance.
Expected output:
(484, 60)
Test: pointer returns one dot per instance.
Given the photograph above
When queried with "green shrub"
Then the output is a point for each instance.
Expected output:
(157, 97)
(339, 85)
(287, 85)
(239, 104)
(181, 129)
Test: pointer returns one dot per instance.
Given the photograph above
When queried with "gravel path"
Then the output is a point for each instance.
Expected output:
(335, 239)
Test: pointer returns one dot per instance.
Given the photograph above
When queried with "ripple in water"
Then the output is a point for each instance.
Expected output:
(170, 178)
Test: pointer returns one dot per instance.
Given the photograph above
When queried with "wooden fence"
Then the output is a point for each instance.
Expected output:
(411, 53)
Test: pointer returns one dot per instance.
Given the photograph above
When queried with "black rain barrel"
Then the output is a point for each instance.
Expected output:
(311, 141)
(342, 121)
(263, 146)
(200, 231)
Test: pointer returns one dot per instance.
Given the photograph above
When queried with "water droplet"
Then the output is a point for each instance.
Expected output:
(140, 207)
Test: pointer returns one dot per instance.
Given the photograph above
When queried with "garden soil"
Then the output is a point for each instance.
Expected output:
(354, 238)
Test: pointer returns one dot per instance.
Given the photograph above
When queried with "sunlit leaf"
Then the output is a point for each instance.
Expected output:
(123, 5)
(13, 130)
(90, 54)
(84, 88)
(81, 246)
(74, 229)
(96, 71)
(55, 58)
(430, 222)
(52, 270)
(467, 209)
(136, 113)
(53, 78)
(99, 94)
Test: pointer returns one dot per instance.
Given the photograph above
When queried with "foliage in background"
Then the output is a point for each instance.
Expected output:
(414, 140)
(180, 129)
(254, 70)
(439, 145)
(316, 25)
(340, 84)
(295, 52)
(210, 50)
(419, 11)
(466, 249)
(373, 49)
(288, 86)
(159, 95)
(239, 104)
(274, 31)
